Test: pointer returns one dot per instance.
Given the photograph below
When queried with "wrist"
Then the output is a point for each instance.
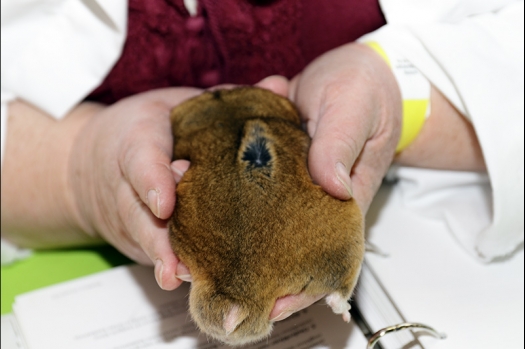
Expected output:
(447, 141)
(36, 210)
(440, 137)
(77, 179)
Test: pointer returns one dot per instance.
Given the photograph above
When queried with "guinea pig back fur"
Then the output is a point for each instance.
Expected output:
(249, 223)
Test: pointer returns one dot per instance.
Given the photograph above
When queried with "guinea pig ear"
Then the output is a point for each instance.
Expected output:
(233, 319)
(256, 149)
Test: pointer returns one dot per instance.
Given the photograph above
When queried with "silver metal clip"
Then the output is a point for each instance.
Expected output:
(400, 327)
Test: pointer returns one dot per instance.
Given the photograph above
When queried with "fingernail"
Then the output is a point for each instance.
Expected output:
(176, 171)
(343, 175)
(283, 315)
(159, 267)
(185, 277)
(154, 202)
(183, 272)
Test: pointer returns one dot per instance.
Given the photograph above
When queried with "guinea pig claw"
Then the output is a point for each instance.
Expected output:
(346, 316)
(233, 319)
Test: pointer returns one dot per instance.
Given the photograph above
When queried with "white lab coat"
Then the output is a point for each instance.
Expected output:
(55, 52)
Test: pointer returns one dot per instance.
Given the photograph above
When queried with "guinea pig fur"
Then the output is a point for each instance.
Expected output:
(249, 223)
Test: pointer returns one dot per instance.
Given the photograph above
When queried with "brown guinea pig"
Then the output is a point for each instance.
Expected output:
(249, 223)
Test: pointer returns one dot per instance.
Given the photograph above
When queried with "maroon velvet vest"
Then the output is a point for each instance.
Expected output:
(229, 41)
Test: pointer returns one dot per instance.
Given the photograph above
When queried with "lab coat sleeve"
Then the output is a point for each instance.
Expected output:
(473, 52)
(55, 52)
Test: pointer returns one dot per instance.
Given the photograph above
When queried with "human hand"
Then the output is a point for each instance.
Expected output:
(123, 182)
(351, 104)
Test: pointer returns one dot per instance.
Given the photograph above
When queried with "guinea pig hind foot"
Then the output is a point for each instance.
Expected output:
(339, 305)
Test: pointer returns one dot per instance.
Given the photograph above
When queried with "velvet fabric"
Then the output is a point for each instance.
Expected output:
(229, 41)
